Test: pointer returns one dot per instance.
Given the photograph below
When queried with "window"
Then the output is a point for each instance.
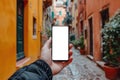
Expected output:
(86, 33)
(20, 29)
(57, 22)
(60, 13)
(34, 26)
(80, 2)
(53, 15)
(104, 16)
(85, 2)
(75, 6)
(63, 22)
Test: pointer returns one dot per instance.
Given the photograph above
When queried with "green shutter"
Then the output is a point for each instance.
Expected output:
(57, 22)
(20, 31)
(52, 15)
(60, 13)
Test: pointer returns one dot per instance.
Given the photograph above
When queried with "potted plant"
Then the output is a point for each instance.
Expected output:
(111, 46)
(75, 43)
(81, 44)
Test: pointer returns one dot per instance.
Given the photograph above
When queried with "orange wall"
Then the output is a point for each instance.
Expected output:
(93, 9)
(8, 35)
(97, 5)
(7, 38)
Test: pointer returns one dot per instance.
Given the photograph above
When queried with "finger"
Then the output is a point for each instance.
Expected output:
(70, 46)
(48, 43)
(50, 53)
(70, 53)
(68, 62)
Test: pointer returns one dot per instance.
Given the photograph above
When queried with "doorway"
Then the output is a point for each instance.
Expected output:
(81, 25)
(90, 21)
(104, 19)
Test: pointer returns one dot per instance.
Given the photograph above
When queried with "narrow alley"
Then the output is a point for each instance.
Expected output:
(81, 69)
(93, 29)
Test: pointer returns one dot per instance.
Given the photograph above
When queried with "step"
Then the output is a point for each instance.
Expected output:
(90, 57)
(100, 63)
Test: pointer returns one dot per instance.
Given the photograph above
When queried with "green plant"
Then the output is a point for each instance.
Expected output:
(68, 19)
(75, 43)
(81, 42)
(111, 41)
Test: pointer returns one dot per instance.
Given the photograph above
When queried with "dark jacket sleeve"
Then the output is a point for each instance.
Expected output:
(38, 70)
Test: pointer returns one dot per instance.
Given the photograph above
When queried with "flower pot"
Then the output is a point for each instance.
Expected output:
(82, 51)
(75, 46)
(111, 72)
(119, 73)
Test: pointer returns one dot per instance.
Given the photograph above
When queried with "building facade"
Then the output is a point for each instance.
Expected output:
(20, 38)
(47, 19)
(92, 16)
(75, 15)
(59, 11)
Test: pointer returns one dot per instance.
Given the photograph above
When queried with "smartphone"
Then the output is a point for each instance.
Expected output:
(60, 43)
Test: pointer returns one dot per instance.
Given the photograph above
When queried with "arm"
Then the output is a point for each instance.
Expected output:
(42, 69)
(38, 70)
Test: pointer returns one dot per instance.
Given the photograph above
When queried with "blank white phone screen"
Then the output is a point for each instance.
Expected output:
(60, 37)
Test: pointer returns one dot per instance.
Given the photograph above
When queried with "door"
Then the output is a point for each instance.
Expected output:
(105, 18)
(20, 29)
(91, 35)
(81, 24)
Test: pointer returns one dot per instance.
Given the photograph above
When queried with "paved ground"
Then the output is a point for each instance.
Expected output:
(80, 69)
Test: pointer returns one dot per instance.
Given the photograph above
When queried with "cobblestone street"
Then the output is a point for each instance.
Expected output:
(81, 69)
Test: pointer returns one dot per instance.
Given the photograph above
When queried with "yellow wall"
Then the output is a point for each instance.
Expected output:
(8, 34)
(33, 45)
(40, 19)
(7, 38)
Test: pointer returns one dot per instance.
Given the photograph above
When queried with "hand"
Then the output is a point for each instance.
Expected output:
(56, 67)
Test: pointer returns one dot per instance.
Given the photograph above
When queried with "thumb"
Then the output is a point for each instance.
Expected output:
(48, 43)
